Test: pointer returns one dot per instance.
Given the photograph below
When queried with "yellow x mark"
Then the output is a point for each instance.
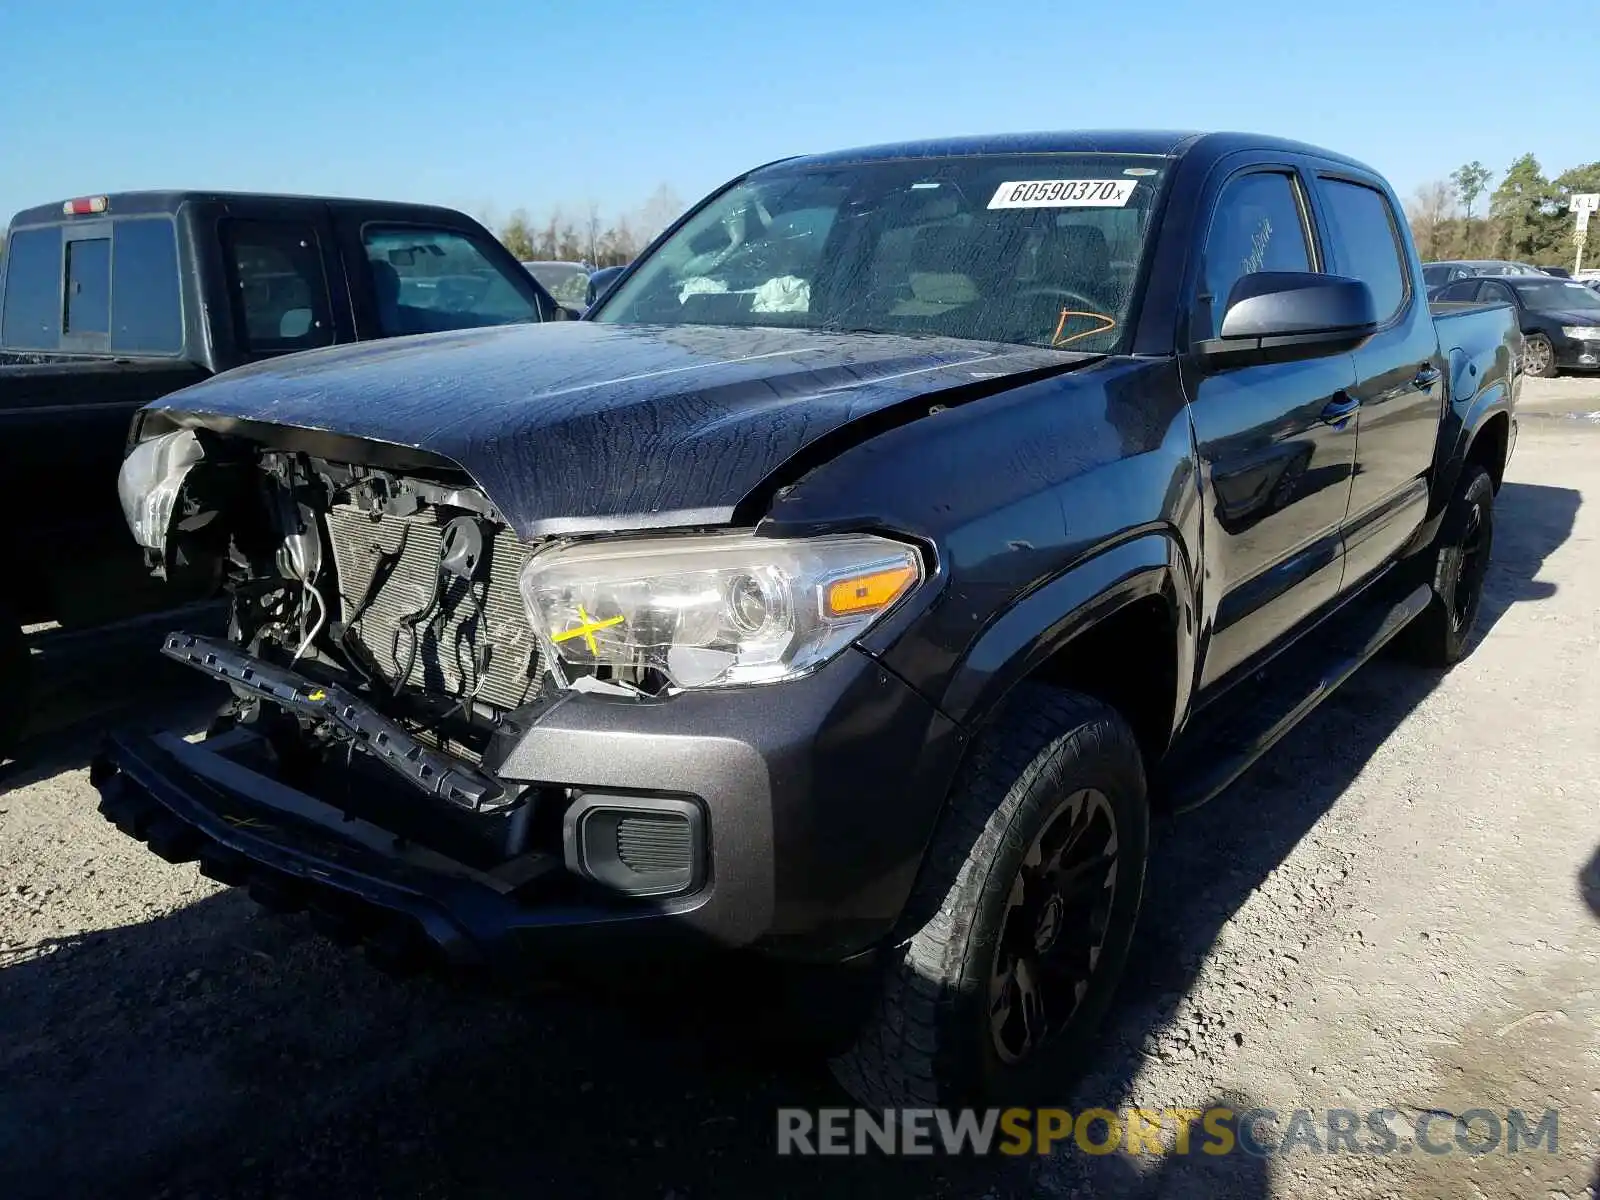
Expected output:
(587, 629)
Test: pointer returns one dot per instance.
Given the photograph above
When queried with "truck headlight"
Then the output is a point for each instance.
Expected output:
(712, 610)
(1582, 333)
(149, 482)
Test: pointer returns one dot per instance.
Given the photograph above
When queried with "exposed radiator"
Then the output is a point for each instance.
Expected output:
(451, 642)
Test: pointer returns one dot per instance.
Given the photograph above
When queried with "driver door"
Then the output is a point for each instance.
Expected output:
(1276, 441)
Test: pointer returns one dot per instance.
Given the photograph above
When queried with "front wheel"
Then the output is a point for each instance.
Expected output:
(1439, 636)
(1538, 356)
(1020, 923)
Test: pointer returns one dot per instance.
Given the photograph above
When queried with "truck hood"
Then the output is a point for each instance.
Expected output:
(578, 427)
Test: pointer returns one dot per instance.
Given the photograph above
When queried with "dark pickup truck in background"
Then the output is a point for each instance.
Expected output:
(109, 302)
(848, 586)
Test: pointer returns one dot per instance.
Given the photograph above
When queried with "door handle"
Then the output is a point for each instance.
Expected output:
(1339, 409)
(1427, 375)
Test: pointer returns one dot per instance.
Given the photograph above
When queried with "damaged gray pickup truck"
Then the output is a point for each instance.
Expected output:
(848, 586)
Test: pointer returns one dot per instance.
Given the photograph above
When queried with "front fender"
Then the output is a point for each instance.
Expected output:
(1027, 634)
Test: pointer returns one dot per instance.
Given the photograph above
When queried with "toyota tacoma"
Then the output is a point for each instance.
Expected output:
(848, 586)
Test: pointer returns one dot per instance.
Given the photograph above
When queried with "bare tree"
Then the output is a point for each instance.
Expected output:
(591, 229)
(661, 210)
(1430, 212)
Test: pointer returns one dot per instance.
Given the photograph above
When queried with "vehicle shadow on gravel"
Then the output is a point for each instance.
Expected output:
(1589, 883)
(217, 1050)
(222, 1051)
(1207, 863)
(104, 681)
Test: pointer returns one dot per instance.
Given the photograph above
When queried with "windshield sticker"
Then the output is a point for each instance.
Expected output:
(1064, 193)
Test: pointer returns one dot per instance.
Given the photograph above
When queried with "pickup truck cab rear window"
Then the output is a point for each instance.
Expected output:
(1365, 242)
(1036, 249)
(430, 280)
(115, 286)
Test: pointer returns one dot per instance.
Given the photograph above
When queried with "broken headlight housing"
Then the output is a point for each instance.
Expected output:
(149, 482)
(711, 611)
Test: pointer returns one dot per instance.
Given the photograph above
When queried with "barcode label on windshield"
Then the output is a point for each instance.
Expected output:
(1064, 193)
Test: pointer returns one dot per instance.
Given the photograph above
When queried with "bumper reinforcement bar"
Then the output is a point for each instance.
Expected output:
(435, 773)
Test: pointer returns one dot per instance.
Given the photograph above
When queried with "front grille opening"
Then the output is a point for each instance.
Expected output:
(446, 637)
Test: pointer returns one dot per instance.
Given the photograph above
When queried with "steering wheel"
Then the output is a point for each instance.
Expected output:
(1078, 301)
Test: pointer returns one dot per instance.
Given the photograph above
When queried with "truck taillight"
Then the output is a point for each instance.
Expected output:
(85, 205)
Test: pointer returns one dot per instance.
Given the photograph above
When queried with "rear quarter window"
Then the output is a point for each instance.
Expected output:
(280, 290)
(1366, 245)
(31, 318)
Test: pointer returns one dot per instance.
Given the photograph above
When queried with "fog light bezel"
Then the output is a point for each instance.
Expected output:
(587, 815)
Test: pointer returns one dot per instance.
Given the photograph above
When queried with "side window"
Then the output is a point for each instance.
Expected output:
(1494, 293)
(88, 299)
(1365, 244)
(146, 311)
(1461, 289)
(1258, 226)
(280, 292)
(31, 319)
(1434, 276)
(429, 280)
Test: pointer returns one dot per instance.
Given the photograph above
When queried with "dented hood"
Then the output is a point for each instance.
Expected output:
(580, 427)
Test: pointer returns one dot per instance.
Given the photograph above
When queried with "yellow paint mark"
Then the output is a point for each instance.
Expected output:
(587, 628)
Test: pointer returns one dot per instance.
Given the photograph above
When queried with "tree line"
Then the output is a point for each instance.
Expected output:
(1524, 218)
(587, 236)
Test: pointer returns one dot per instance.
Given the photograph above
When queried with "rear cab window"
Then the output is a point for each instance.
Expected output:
(109, 285)
(279, 286)
(427, 280)
(1365, 242)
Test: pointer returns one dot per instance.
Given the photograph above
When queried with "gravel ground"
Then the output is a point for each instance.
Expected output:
(1399, 908)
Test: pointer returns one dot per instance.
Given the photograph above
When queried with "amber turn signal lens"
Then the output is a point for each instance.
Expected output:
(866, 593)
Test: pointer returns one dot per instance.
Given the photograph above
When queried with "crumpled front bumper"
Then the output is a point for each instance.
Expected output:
(817, 799)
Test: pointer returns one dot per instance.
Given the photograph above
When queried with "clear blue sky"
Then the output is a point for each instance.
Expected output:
(488, 103)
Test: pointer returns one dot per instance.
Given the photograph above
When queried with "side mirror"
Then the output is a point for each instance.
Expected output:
(1286, 316)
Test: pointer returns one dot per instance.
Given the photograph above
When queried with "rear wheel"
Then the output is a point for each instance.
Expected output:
(14, 681)
(1460, 558)
(1020, 923)
(1538, 356)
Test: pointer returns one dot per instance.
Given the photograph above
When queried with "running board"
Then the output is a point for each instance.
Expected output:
(1212, 754)
(436, 773)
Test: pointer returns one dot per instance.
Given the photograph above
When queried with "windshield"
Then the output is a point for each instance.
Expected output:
(1038, 249)
(567, 282)
(1558, 296)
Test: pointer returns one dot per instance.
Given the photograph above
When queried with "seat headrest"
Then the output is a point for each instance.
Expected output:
(385, 281)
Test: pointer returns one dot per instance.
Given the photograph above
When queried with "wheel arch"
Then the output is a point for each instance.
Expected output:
(1106, 627)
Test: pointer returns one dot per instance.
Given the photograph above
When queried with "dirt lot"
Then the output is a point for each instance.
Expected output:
(1398, 909)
